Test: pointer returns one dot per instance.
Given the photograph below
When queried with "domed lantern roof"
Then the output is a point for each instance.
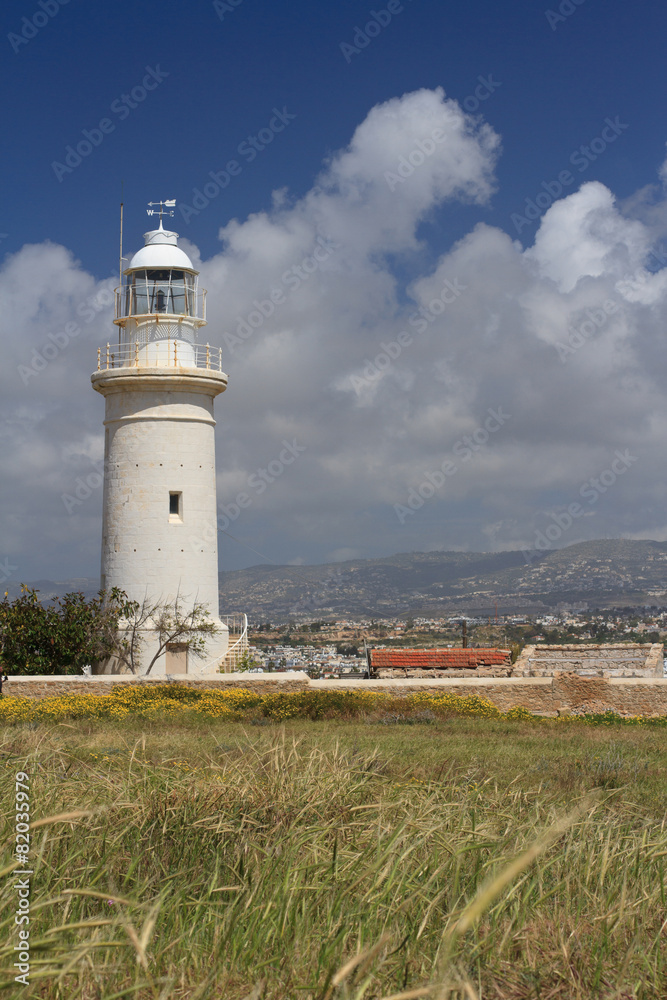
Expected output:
(161, 251)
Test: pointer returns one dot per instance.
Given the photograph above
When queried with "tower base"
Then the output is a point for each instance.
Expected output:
(176, 659)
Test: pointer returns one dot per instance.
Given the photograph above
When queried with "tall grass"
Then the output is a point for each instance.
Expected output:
(257, 863)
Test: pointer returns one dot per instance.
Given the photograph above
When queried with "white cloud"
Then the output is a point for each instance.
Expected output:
(297, 370)
(585, 236)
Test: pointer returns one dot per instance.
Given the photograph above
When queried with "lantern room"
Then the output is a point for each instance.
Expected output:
(159, 306)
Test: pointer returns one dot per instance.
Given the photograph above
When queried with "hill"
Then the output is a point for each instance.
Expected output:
(602, 573)
(599, 573)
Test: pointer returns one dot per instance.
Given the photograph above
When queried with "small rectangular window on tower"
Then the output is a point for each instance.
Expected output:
(175, 506)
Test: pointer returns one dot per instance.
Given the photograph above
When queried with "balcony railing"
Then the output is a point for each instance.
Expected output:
(159, 354)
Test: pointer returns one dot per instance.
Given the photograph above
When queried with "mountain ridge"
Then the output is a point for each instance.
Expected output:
(610, 571)
(603, 572)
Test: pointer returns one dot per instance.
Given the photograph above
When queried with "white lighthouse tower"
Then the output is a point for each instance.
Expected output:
(159, 541)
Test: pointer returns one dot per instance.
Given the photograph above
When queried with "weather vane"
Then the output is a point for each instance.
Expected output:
(170, 203)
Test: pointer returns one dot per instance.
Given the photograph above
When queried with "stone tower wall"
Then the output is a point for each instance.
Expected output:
(157, 442)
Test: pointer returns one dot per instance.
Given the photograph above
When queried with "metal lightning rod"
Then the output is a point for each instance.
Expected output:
(120, 258)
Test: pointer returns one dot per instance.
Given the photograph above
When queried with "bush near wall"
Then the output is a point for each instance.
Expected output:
(242, 705)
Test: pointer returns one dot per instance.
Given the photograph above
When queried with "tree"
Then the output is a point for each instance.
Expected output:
(347, 649)
(246, 663)
(170, 621)
(61, 637)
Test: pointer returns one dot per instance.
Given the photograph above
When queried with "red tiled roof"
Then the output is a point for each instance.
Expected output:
(441, 659)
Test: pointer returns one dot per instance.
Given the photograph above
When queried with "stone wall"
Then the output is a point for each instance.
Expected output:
(560, 694)
(417, 672)
(51, 687)
(628, 659)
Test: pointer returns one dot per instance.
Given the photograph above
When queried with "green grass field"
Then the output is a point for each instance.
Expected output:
(340, 859)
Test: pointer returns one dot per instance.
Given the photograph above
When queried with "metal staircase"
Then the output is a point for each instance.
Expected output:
(238, 641)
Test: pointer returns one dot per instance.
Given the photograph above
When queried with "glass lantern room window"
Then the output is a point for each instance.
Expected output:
(161, 291)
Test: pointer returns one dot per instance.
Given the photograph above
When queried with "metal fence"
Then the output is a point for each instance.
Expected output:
(166, 353)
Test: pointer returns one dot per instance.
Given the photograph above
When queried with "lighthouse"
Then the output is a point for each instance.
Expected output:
(159, 542)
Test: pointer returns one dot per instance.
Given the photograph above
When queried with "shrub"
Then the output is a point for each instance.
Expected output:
(59, 638)
(242, 705)
(518, 714)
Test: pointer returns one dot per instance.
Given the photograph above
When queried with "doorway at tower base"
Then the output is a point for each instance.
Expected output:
(173, 660)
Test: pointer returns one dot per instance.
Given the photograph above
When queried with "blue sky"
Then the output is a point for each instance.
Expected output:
(225, 76)
(548, 80)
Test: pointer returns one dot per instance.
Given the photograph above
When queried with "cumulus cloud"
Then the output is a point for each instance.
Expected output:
(521, 371)
(584, 236)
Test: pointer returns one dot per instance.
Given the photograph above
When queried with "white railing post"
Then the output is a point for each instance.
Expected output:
(205, 356)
